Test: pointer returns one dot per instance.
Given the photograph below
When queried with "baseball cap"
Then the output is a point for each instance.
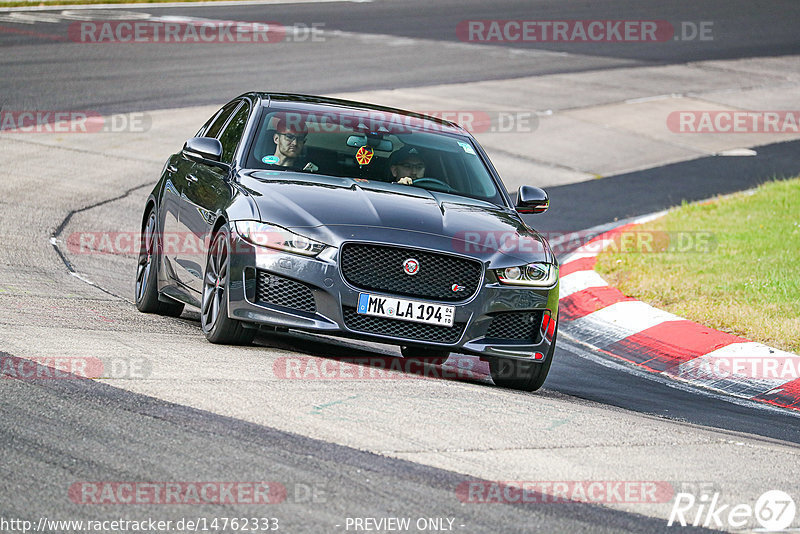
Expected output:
(405, 154)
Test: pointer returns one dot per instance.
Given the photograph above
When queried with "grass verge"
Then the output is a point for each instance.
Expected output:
(732, 263)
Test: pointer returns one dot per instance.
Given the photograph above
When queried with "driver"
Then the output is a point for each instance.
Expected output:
(290, 139)
(407, 165)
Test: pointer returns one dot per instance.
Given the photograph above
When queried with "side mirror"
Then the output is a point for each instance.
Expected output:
(532, 200)
(203, 149)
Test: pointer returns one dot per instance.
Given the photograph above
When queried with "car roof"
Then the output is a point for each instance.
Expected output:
(322, 104)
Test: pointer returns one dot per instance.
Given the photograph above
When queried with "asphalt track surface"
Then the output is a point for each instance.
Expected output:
(186, 444)
(45, 70)
(55, 432)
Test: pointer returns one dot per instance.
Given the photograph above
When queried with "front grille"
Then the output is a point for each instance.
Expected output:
(516, 326)
(403, 329)
(380, 268)
(274, 289)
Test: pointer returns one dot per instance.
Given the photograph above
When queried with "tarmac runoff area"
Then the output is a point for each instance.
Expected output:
(606, 123)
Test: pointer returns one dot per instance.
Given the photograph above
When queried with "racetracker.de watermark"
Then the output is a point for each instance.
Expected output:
(72, 122)
(628, 241)
(733, 122)
(74, 367)
(565, 491)
(478, 121)
(583, 31)
(784, 368)
(182, 492)
(475, 121)
(371, 368)
(190, 31)
(125, 243)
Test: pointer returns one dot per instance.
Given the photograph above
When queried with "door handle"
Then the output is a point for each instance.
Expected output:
(191, 177)
(172, 168)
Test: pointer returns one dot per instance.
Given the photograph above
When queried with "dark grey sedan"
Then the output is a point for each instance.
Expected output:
(337, 217)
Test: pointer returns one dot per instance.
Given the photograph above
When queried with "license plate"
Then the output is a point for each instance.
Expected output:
(405, 310)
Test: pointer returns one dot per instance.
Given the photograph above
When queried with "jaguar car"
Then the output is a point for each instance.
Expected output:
(302, 213)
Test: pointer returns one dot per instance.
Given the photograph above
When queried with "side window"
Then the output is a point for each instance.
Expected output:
(201, 132)
(219, 122)
(233, 133)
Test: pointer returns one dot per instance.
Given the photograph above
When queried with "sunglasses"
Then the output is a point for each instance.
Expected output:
(294, 138)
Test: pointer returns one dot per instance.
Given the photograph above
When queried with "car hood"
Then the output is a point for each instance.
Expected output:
(334, 210)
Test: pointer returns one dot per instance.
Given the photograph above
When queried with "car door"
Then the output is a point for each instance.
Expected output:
(175, 171)
(207, 192)
(177, 240)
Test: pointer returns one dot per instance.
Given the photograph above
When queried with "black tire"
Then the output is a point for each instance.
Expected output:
(146, 288)
(217, 326)
(519, 374)
(423, 355)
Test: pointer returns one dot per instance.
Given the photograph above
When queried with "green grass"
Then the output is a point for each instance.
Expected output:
(747, 282)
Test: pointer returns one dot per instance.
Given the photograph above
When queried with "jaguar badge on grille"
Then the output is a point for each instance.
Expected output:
(411, 266)
(457, 288)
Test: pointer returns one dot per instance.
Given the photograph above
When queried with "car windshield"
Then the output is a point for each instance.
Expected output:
(372, 146)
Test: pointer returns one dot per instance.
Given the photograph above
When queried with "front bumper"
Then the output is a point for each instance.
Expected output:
(335, 300)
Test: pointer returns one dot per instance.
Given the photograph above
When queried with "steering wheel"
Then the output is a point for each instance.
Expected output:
(434, 182)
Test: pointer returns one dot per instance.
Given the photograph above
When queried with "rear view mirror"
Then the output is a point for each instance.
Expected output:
(384, 145)
(532, 200)
(203, 148)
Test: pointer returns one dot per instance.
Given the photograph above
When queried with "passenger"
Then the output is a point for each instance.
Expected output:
(290, 140)
(407, 165)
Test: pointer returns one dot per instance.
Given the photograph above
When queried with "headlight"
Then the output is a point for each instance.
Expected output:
(533, 274)
(273, 236)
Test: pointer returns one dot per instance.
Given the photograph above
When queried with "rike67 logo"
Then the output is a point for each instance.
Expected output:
(774, 511)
